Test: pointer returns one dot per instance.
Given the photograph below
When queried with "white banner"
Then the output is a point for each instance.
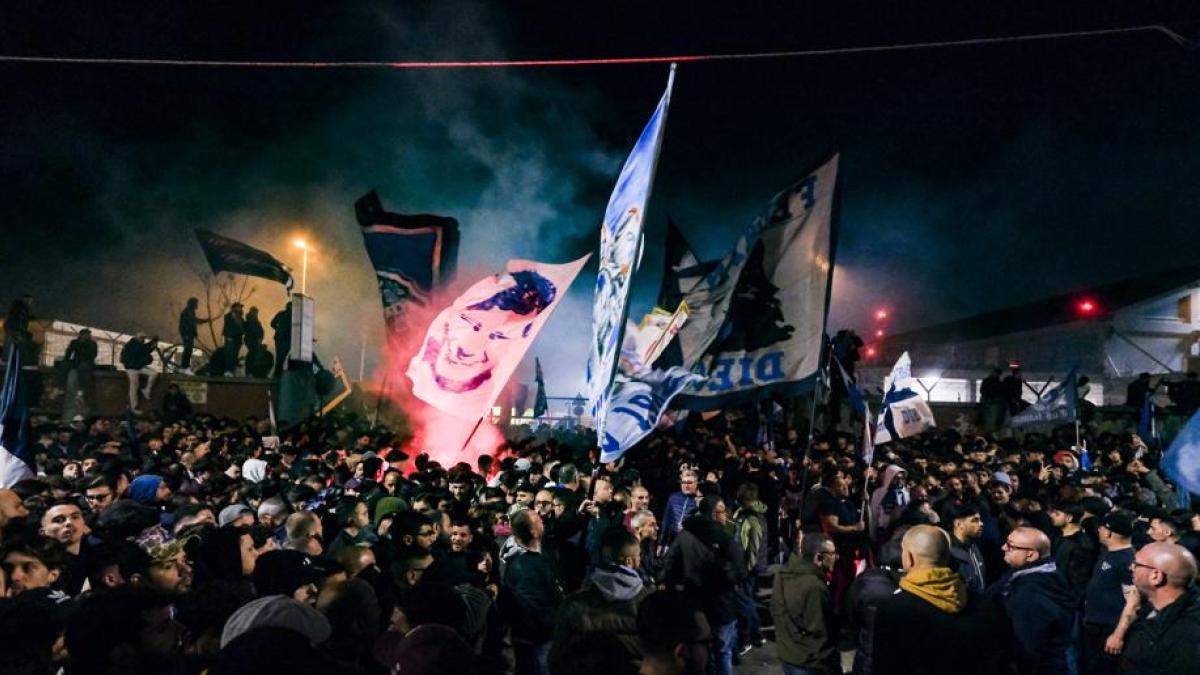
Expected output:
(473, 346)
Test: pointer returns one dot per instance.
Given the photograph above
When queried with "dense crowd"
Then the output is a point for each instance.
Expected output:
(186, 544)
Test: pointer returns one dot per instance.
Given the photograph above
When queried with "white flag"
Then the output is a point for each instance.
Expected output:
(475, 344)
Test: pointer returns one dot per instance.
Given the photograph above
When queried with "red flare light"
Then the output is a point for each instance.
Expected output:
(1087, 307)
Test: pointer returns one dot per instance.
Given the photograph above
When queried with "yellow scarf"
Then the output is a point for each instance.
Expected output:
(939, 586)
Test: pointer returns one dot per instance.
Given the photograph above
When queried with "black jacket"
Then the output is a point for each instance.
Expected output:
(1076, 556)
(866, 592)
(707, 563)
(1041, 608)
(136, 354)
(1168, 643)
(529, 595)
(913, 636)
(968, 562)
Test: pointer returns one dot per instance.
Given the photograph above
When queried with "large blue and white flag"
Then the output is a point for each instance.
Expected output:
(635, 406)
(1182, 460)
(620, 253)
(904, 413)
(757, 321)
(16, 456)
(1057, 406)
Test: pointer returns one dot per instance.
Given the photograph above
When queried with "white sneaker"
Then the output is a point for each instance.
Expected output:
(186, 371)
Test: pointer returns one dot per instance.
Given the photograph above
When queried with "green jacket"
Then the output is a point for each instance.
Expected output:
(803, 613)
(752, 534)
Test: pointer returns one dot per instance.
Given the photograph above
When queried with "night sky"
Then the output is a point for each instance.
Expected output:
(972, 177)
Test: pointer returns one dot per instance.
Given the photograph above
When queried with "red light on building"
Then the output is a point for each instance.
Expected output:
(879, 333)
(1087, 307)
(881, 314)
(870, 352)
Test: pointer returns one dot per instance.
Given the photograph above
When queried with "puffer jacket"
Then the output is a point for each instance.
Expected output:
(802, 608)
(706, 561)
(606, 603)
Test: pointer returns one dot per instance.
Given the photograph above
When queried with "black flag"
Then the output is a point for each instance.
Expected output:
(230, 255)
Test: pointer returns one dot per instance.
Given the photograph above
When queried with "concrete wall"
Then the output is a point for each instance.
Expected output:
(235, 397)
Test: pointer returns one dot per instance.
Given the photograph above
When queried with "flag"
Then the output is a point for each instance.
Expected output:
(230, 255)
(853, 394)
(620, 253)
(341, 388)
(646, 341)
(474, 345)
(1146, 427)
(757, 321)
(868, 445)
(16, 458)
(1182, 460)
(540, 405)
(682, 268)
(1060, 404)
(411, 255)
(904, 413)
(635, 405)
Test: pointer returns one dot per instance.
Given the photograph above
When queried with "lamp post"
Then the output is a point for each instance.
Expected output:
(303, 246)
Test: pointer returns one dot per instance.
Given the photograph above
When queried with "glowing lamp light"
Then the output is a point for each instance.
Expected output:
(1087, 307)
(300, 243)
(881, 314)
(870, 352)
(879, 333)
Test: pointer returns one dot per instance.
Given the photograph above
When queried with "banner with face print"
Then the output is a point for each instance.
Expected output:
(474, 345)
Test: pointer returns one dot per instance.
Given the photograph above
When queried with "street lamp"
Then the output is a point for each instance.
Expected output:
(303, 246)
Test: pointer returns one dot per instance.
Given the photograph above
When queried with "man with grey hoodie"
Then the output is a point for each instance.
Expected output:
(608, 600)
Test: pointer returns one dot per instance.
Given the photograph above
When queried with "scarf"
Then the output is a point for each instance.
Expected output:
(939, 586)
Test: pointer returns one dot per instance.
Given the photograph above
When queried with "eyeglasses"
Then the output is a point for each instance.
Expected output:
(1009, 546)
(426, 533)
(1135, 564)
(543, 502)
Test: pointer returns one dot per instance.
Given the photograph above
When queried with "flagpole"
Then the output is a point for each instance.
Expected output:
(812, 427)
(471, 435)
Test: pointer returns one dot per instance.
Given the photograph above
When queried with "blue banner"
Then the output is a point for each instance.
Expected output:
(635, 405)
(1182, 460)
(1057, 406)
(620, 253)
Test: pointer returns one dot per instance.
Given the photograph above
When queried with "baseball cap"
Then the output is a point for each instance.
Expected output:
(233, 512)
(282, 572)
(1118, 522)
(1001, 478)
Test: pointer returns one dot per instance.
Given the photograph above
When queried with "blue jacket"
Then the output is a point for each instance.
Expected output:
(679, 507)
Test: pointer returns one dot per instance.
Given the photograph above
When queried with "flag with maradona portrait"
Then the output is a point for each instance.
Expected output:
(473, 346)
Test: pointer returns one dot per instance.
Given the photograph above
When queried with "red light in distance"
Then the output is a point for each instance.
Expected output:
(1087, 306)
(870, 352)
(881, 314)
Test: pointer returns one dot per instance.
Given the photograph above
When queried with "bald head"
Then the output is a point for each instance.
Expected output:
(925, 546)
(1173, 560)
(1031, 538)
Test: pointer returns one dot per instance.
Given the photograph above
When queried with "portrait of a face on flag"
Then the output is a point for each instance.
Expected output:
(473, 345)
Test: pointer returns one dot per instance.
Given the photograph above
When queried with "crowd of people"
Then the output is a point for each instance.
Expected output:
(183, 543)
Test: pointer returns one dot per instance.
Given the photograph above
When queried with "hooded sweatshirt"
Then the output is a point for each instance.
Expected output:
(606, 603)
(885, 498)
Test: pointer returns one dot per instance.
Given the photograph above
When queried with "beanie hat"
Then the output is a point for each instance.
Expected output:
(388, 506)
(280, 612)
(144, 488)
(233, 512)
